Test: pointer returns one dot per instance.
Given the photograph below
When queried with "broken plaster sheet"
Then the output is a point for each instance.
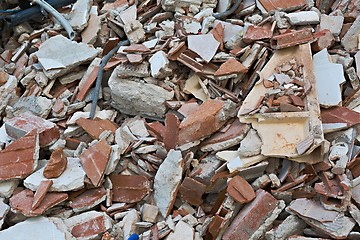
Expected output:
(281, 132)
(329, 78)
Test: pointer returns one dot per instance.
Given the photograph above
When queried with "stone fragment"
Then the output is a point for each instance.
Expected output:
(79, 15)
(88, 199)
(129, 188)
(38, 105)
(333, 23)
(209, 117)
(71, 179)
(250, 145)
(191, 191)
(195, 86)
(252, 221)
(331, 223)
(195, 43)
(350, 40)
(240, 190)
(90, 33)
(303, 18)
(22, 202)
(88, 225)
(39, 228)
(231, 66)
(56, 165)
(19, 159)
(94, 127)
(41, 193)
(159, 65)
(64, 54)
(94, 161)
(149, 213)
(182, 231)
(149, 100)
(325, 39)
(126, 70)
(167, 181)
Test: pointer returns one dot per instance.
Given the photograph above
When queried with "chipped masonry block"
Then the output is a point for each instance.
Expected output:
(350, 40)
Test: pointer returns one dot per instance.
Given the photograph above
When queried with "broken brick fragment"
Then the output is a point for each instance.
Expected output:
(56, 165)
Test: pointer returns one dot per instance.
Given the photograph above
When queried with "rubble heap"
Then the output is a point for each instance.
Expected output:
(214, 120)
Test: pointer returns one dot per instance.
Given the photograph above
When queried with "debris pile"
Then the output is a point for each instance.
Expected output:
(174, 119)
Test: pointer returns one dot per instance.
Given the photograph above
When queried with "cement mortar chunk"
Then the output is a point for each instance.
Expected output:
(133, 98)
(250, 145)
(63, 53)
(281, 132)
(70, 180)
(167, 181)
(80, 13)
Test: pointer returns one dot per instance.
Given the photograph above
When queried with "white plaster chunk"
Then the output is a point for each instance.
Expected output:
(79, 15)
(159, 65)
(39, 228)
(167, 181)
(130, 219)
(333, 23)
(61, 50)
(71, 179)
(329, 78)
(196, 44)
(7, 188)
(303, 18)
(113, 159)
(351, 39)
(182, 231)
(149, 213)
(250, 145)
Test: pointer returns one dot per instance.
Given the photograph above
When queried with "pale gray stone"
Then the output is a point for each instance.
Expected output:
(303, 18)
(79, 15)
(137, 98)
(38, 105)
(333, 23)
(250, 145)
(351, 39)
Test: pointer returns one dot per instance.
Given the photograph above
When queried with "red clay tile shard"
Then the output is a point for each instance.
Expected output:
(18, 126)
(87, 85)
(271, 5)
(231, 66)
(22, 202)
(129, 188)
(41, 192)
(94, 161)
(19, 159)
(134, 58)
(171, 135)
(133, 48)
(292, 39)
(251, 217)
(95, 127)
(240, 190)
(218, 33)
(56, 165)
(88, 225)
(191, 191)
(88, 199)
(340, 115)
(354, 166)
(254, 33)
(201, 123)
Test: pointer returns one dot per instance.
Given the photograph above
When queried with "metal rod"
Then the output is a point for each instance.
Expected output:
(57, 16)
(95, 96)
